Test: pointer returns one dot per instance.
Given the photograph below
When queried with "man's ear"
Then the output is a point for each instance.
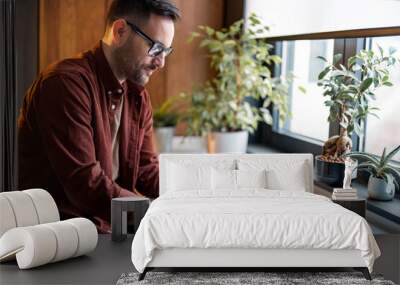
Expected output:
(120, 32)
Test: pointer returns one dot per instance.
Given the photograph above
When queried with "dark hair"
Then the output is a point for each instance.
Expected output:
(140, 10)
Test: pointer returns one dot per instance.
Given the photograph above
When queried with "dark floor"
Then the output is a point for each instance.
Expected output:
(106, 264)
(389, 262)
(102, 266)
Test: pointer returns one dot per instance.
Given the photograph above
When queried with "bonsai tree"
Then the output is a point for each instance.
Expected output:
(349, 91)
(241, 63)
(380, 168)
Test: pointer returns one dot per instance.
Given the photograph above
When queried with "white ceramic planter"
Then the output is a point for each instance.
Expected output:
(378, 189)
(189, 144)
(230, 142)
(164, 137)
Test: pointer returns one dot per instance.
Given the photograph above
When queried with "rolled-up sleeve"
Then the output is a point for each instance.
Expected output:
(64, 113)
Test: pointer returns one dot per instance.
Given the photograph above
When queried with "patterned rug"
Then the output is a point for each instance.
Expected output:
(244, 278)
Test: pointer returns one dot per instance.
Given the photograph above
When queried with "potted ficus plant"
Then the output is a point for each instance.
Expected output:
(349, 91)
(221, 107)
(384, 175)
(165, 119)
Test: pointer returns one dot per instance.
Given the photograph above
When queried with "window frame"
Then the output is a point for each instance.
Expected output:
(348, 44)
(291, 142)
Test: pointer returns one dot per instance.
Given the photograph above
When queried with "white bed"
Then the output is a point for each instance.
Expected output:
(247, 211)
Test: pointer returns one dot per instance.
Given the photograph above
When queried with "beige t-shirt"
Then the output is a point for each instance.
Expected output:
(115, 140)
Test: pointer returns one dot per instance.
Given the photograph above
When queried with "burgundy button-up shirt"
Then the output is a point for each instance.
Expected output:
(65, 144)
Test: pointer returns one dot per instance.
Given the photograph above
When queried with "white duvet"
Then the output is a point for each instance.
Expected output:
(252, 218)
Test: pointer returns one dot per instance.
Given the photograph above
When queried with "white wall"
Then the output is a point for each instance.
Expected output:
(294, 17)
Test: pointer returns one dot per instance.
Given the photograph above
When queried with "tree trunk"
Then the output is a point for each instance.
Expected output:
(336, 146)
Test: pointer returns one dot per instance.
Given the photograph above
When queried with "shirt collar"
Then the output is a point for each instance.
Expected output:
(111, 84)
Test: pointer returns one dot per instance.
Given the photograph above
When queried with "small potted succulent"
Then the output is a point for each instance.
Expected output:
(221, 107)
(165, 119)
(384, 175)
(349, 92)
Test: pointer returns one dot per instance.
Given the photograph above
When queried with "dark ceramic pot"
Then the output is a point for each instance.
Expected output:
(331, 173)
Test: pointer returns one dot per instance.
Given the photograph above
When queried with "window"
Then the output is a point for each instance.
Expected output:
(308, 127)
(385, 131)
(309, 114)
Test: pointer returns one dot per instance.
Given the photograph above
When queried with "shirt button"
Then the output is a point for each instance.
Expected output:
(119, 91)
(109, 92)
(113, 107)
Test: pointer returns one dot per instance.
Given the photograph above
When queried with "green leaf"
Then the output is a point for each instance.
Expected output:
(363, 155)
(396, 176)
(204, 43)
(381, 163)
(210, 31)
(336, 58)
(229, 43)
(266, 116)
(322, 58)
(351, 61)
(374, 115)
(380, 50)
(357, 129)
(387, 177)
(391, 154)
(302, 89)
(220, 35)
(392, 50)
(192, 36)
(392, 170)
(367, 164)
(233, 105)
(254, 19)
(365, 84)
(324, 72)
(214, 46)
(276, 59)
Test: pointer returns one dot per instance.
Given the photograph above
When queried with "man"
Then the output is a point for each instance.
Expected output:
(85, 128)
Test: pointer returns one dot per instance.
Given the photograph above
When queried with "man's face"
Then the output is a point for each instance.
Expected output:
(132, 57)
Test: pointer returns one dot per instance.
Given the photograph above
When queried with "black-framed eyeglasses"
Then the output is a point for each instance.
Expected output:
(156, 47)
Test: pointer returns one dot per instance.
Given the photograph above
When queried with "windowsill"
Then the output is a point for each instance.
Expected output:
(257, 148)
(300, 137)
(389, 210)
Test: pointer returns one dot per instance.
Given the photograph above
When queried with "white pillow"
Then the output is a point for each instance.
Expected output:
(224, 179)
(281, 174)
(227, 179)
(182, 177)
(251, 178)
(292, 179)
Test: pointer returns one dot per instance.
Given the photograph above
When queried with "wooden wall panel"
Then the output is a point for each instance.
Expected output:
(71, 26)
(68, 27)
(187, 65)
